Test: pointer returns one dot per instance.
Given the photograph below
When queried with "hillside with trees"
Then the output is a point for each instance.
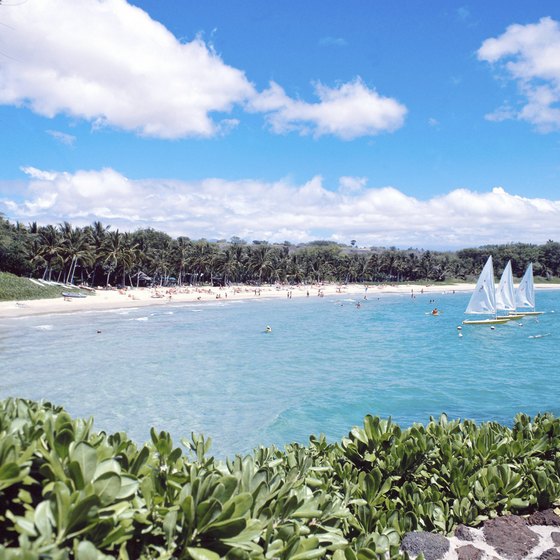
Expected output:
(98, 255)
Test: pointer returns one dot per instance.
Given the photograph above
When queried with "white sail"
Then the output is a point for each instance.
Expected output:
(483, 299)
(505, 295)
(525, 293)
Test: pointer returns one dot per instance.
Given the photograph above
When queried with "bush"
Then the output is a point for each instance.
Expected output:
(66, 491)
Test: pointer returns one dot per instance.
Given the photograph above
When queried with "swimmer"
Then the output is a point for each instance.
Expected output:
(268, 329)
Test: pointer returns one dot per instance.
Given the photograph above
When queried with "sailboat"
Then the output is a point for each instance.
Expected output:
(525, 294)
(505, 295)
(483, 299)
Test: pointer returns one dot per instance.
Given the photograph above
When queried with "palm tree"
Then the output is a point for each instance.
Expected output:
(50, 250)
(261, 262)
(295, 270)
(97, 234)
(161, 261)
(75, 249)
(129, 255)
(180, 253)
(111, 252)
(224, 264)
(200, 261)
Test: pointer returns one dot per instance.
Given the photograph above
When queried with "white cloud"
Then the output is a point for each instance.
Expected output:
(108, 62)
(349, 185)
(529, 55)
(278, 211)
(62, 137)
(332, 42)
(348, 111)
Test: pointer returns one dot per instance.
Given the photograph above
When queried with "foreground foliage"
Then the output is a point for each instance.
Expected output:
(66, 491)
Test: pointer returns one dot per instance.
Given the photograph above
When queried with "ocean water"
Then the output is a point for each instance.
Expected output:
(210, 368)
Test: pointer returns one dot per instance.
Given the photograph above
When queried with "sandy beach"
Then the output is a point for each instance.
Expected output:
(104, 299)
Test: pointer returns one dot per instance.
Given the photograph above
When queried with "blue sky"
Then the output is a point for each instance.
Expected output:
(389, 122)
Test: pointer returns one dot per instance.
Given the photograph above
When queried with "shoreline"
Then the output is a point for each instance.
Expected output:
(111, 299)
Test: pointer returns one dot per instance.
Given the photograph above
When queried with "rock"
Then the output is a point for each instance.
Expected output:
(546, 517)
(555, 536)
(510, 536)
(463, 532)
(469, 552)
(431, 545)
(550, 554)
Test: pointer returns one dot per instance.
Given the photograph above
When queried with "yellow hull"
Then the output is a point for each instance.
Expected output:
(496, 321)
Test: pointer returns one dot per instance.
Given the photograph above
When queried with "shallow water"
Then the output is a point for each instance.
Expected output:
(210, 368)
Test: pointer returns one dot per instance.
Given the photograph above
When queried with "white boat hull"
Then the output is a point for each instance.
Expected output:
(527, 313)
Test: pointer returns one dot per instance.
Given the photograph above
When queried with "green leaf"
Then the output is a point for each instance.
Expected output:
(9, 471)
(206, 512)
(309, 555)
(76, 475)
(107, 487)
(202, 554)
(226, 529)
(366, 554)
(306, 512)
(86, 457)
(245, 538)
(23, 526)
(79, 514)
(140, 460)
(169, 526)
(87, 551)
(109, 465)
(43, 519)
(187, 505)
(518, 503)
(62, 441)
(129, 486)
(241, 504)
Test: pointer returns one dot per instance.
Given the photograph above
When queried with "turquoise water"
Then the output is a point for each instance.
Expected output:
(210, 368)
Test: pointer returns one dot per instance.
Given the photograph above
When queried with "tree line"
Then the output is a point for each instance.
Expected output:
(98, 255)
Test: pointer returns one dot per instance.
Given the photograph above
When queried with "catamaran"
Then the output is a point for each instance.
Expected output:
(525, 294)
(483, 299)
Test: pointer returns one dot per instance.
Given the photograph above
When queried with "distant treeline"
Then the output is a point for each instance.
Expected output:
(98, 255)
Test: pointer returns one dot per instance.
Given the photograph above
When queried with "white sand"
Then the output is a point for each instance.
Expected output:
(139, 297)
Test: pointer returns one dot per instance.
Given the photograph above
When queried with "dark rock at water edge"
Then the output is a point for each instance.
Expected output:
(546, 517)
(555, 538)
(469, 552)
(433, 546)
(510, 536)
(463, 532)
(550, 554)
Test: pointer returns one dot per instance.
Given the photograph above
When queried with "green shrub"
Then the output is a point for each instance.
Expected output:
(68, 492)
